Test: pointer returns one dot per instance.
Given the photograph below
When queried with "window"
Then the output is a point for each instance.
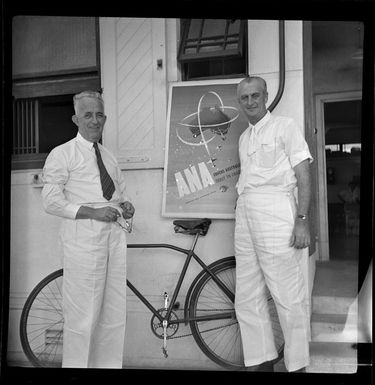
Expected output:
(53, 59)
(39, 125)
(212, 48)
(343, 128)
(343, 149)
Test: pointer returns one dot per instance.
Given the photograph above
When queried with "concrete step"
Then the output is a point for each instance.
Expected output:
(334, 318)
(336, 279)
(333, 328)
(332, 357)
(328, 304)
(335, 287)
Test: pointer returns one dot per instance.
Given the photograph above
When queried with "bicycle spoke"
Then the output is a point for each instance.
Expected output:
(53, 346)
(215, 293)
(42, 318)
(229, 346)
(43, 330)
(43, 326)
(224, 341)
(49, 301)
(42, 322)
(36, 348)
(220, 338)
(53, 293)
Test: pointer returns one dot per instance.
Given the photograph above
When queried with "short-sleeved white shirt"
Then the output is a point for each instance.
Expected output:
(268, 152)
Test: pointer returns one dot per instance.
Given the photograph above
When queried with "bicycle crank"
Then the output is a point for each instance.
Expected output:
(164, 348)
(159, 329)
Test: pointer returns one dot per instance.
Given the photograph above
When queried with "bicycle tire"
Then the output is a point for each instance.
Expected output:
(220, 339)
(41, 323)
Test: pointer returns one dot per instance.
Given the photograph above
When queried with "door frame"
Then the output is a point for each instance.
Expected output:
(320, 100)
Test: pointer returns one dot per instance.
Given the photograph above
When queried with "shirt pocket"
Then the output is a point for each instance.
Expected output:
(268, 153)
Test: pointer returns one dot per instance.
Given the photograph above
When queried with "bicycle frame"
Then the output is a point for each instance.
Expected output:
(189, 255)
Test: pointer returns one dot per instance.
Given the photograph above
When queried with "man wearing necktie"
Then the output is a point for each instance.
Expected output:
(85, 186)
(271, 230)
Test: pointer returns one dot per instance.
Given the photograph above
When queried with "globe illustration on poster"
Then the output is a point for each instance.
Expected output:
(206, 123)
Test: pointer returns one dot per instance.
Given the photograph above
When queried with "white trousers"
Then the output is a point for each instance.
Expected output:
(94, 293)
(264, 224)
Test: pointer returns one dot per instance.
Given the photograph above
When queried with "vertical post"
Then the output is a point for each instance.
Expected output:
(27, 125)
(37, 126)
(32, 126)
(22, 125)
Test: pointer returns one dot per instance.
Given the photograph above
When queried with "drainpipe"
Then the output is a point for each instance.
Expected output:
(281, 65)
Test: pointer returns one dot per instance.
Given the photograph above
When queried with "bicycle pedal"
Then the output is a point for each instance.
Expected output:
(165, 353)
(176, 305)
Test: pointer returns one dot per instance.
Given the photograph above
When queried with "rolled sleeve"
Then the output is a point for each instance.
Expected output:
(299, 157)
(55, 175)
(295, 145)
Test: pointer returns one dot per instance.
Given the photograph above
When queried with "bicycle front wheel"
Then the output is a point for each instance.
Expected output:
(41, 325)
(220, 339)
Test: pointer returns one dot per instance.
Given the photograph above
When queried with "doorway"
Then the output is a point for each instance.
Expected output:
(339, 162)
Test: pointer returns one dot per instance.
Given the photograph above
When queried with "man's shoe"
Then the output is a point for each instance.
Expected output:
(265, 367)
(302, 370)
(251, 368)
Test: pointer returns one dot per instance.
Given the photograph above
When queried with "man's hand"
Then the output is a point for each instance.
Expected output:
(127, 210)
(106, 214)
(301, 234)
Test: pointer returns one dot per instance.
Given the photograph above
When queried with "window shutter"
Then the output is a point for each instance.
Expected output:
(211, 38)
(134, 90)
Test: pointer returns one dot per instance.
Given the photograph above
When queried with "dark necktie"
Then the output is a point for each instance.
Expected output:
(108, 186)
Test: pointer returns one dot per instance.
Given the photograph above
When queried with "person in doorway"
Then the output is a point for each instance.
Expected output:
(352, 193)
(271, 231)
(84, 185)
(350, 197)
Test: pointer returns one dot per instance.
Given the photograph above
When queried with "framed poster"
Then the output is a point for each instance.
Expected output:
(201, 155)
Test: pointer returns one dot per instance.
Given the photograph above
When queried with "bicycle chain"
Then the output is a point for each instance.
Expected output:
(205, 331)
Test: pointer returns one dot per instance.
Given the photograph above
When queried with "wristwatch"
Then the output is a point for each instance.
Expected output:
(302, 216)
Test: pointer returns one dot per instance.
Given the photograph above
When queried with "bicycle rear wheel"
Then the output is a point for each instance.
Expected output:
(41, 324)
(220, 339)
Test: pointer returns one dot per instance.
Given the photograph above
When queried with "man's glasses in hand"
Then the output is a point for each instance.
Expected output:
(127, 225)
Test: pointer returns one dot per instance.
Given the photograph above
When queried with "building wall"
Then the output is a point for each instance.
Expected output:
(34, 239)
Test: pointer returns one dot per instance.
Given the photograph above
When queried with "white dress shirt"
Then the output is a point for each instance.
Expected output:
(71, 178)
(268, 152)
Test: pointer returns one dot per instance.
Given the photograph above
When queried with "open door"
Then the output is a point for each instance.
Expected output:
(310, 136)
(338, 120)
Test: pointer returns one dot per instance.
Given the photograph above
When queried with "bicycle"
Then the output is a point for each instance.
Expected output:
(208, 310)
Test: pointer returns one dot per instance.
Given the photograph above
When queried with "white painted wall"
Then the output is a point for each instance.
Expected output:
(34, 234)
(332, 74)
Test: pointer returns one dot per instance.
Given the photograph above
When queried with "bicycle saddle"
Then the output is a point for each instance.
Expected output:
(192, 226)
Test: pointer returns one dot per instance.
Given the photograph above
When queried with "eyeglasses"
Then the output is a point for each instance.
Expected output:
(127, 226)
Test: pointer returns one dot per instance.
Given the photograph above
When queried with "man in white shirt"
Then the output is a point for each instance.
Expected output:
(84, 185)
(271, 231)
